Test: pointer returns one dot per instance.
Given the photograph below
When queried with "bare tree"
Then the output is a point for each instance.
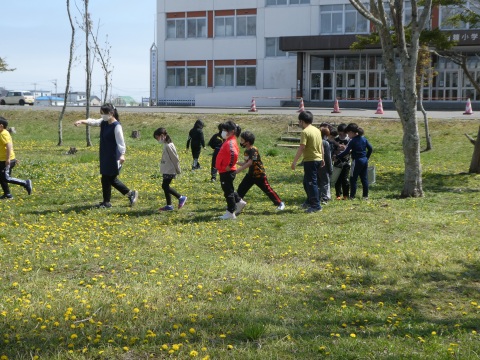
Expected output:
(104, 60)
(69, 68)
(404, 51)
(85, 25)
(475, 163)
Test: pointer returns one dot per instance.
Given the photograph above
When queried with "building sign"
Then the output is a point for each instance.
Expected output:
(465, 37)
(153, 75)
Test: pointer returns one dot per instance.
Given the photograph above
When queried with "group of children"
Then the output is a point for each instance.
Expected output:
(338, 145)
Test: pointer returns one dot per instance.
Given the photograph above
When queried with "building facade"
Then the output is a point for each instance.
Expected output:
(226, 52)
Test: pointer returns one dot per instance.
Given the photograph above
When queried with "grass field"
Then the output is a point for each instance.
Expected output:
(387, 278)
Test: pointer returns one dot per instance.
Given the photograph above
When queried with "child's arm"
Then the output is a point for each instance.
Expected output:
(297, 155)
(244, 165)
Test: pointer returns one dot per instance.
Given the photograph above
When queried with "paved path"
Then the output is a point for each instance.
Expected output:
(351, 113)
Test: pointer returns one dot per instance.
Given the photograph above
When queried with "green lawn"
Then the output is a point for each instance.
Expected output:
(387, 278)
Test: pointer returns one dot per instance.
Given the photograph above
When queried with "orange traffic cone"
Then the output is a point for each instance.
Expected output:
(379, 107)
(336, 108)
(253, 107)
(301, 107)
(468, 108)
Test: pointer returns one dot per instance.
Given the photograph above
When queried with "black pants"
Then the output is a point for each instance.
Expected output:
(5, 177)
(226, 181)
(213, 169)
(167, 180)
(112, 180)
(343, 183)
(262, 182)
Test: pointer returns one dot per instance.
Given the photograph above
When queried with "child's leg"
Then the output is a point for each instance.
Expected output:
(364, 178)
(168, 190)
(120, 186)
(213, 169)
(344, 180)
(355, 172)
(264, 185)
(106, 188)
(226, 181)
(245, 185)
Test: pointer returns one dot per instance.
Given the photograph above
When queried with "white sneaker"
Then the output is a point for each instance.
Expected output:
(281, 207)
(228, 216)
(239, 206)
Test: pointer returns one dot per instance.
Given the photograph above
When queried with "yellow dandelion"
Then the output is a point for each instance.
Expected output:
(352, 335)
(193, 353)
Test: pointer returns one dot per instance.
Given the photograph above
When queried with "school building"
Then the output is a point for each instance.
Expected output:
(226, 52)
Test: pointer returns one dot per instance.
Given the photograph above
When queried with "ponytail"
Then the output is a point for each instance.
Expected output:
(162, 131)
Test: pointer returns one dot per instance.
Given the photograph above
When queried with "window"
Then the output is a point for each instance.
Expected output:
(286, 2)
(246, 25)
(196, 27)
(190, 27)
(176, 77)
(446, 13)
(176, 29)
(354, 22)
(196, 76)
(331, 19)
(186, 76)
(341, 19)
(224, 26)
(272, 48)
(246, 76)
(224, 76)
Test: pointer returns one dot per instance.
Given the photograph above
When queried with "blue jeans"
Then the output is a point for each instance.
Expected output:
(310, 183)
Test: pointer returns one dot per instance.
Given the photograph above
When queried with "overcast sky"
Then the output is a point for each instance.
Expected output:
(35, 40)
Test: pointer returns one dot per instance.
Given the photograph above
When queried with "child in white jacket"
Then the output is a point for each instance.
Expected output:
(169, 167)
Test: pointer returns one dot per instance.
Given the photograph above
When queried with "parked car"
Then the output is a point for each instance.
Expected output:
(17, 98)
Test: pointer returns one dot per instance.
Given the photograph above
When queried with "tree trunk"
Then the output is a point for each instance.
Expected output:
(412, 186)
(428, 139)
(88, 69)
(475, 164)
(70, 59)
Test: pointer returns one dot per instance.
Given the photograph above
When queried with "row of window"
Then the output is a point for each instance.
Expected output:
(334, 19)
(223, 76)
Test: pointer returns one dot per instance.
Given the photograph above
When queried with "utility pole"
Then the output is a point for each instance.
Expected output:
(54, 82)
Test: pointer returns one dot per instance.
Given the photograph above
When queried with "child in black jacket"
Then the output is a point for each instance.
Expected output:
(215, 143)
(197, 142)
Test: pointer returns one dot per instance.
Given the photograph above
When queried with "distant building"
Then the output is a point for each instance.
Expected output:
(40, 93)
(49, 101)
(125, 101)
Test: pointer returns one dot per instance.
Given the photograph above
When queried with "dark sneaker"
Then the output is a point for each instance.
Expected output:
(6, 197)
(104, 205)
(133, 197)
(166, 208)
(29, 186)
(312, 210)
(181, 201)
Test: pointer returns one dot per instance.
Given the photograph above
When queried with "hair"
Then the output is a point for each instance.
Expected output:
(3, 122)
(325, 131)
(108, 108)
(199, 124)
(326, 125)
(354, 128)
(248, 136)
(220, 127)
(341, 127)
(162, 131)
(334, 133)
(306, 117)
(229, 125)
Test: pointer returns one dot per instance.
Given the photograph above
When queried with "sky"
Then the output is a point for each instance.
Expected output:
(35, 40)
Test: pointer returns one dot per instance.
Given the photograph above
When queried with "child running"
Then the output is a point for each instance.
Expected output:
(169, 167)
(226, 165)
(197, 141)
(360, 150)
(256, 172)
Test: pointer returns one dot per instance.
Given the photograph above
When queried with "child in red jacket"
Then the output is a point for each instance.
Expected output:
(226, 165)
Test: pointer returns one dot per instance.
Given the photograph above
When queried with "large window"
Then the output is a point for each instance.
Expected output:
(240, 25)
(190, 27)
(341, 19)
(186, 76)
(247, 25)
(176, 28)
(246, 76)
(224, 26)
(224, 76)
(286, 2)
(196, 27)
(272, 48)
(235, 76)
